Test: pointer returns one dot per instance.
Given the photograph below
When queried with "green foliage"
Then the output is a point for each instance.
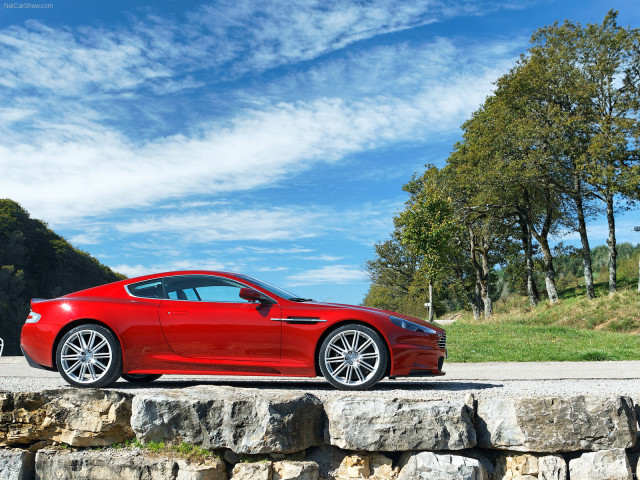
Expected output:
(428, 226)
(35, 262)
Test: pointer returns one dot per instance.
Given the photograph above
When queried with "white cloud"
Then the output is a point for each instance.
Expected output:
(102, 171)
(271, 269)
(340, 274)
(139, 269)
(230, 225)
(324, 258)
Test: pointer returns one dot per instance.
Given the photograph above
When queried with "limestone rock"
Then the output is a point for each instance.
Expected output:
(80, 418)
(555, 424)
(354, 466)
(515, 467)
(244, 420)
(602, 465)
(210, 469)
(381, 424)
(252, 471)
(374, 466)
(122, 465)
(288, 470)
(328, 459)
(433, 466)
(16, 464)
(97, 465)
(552, 467)
(381, 467)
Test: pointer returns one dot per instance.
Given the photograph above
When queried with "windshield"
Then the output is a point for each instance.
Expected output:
(271, 288)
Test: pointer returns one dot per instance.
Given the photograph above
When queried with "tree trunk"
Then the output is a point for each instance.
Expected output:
(611, 243)
(541, 238)
(549, 271)
(486, 294)
(476, 304)
(586, 250)
(481, 281)
(639, 274)
(527, 247)
(431, 308)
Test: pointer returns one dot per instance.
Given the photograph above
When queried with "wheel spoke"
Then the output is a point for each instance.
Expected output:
(100, 345)
(347, 376)
(364, 346)
(73, 347)
(369, 356)
(83, 343)
(102, 355)
(345, 343)
(92, 371)
(92, 340)
(73, 367)
(83, 372)
(335, 359)
(337, 349)
(71, 356)
(337, 371)
(100, 365)
(359, 373)
(365, 365)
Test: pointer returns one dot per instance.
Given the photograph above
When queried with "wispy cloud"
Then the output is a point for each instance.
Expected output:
(340, 274)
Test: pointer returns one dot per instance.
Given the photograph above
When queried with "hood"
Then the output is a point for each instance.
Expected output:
(377, 311)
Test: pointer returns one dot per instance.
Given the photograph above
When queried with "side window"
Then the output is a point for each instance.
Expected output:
(203, 288)
(147, 289)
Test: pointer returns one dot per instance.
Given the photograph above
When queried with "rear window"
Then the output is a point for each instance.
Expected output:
(147, 289)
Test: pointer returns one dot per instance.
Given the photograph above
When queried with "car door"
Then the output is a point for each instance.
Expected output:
(203, 316)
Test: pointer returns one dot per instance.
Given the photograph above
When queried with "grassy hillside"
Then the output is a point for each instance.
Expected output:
(575, 329)
(35, 262)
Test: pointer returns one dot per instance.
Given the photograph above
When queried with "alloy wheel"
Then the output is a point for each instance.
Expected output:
(86, 356)
(352, 358)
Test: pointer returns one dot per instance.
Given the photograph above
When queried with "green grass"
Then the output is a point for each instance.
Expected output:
(183, 449)
(575, 329)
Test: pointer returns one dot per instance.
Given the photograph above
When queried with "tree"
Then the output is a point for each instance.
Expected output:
(637, 229)
(428, 226)
(609, 56)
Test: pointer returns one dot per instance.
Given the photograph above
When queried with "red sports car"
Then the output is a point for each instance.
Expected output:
(201, 322)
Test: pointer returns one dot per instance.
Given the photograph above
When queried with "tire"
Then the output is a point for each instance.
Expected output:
(89, 356)
(353, 357)
(140, 377)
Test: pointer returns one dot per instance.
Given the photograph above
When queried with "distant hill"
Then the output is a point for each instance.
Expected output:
(35, 262)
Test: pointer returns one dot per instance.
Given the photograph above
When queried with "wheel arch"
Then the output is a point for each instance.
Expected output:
(76, 323)
(341, 323)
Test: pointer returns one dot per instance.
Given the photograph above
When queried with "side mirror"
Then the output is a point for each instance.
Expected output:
(250, 294)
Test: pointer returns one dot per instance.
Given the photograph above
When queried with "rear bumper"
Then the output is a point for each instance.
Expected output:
(34, 364)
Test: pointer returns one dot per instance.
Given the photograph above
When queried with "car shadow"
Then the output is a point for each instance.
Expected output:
(306, 385)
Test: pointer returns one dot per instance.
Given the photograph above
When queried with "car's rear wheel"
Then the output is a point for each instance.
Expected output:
(140, 377)
(89, 356)
(353, 357)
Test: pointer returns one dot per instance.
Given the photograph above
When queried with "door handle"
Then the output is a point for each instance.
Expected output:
(178, 312)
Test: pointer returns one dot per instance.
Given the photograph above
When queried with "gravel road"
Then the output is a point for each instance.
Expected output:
(481, 379)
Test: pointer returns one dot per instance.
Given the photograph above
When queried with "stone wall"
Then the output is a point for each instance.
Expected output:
(271, 435)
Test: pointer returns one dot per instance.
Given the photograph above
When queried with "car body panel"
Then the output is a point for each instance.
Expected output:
(274, 337)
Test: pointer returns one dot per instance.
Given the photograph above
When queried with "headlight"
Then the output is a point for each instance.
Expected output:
(408, 325)
(33, 317)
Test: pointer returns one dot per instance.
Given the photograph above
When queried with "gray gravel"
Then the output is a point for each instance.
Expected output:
(481, 379)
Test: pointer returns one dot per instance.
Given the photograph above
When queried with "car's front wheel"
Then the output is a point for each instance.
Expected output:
(140, 377)
(353, 357)
(89, 356)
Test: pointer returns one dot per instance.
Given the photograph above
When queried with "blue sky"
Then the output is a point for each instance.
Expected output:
(269, 138)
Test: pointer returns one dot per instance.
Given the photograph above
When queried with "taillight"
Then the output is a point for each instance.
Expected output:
(33, 317)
